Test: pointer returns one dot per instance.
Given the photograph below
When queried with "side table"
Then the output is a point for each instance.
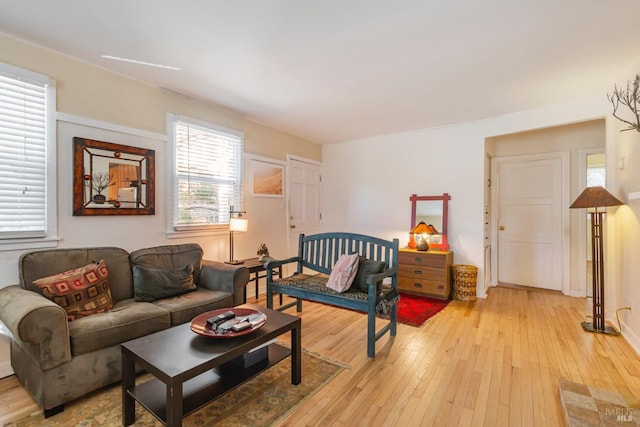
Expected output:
(257, 272)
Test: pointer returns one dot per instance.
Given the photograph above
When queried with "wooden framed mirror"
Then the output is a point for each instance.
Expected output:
(433, 210)
(112, 179)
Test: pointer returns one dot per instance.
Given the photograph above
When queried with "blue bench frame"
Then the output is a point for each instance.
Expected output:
(319, 252)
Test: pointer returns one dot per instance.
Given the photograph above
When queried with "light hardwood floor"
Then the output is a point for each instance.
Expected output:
(493, 362)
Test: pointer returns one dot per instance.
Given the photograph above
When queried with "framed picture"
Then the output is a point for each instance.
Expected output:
(268, 179)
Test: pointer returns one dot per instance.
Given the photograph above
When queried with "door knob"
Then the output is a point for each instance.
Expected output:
(502, 228)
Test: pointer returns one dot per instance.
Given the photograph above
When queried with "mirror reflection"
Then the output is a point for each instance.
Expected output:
(114, 182)
(430, 212)
(112, 179)
(433, 211)
(127, 180)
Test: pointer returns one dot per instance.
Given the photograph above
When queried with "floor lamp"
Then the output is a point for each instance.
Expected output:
(235, 224)
(597, 197)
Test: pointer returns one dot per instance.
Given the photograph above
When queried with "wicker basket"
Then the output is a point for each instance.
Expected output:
(464, 282)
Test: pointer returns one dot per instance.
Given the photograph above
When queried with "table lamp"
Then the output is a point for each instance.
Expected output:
(235, 224)
(421, 234)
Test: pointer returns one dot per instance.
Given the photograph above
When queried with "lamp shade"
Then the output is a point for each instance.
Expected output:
(595, 197)
(421, 228)
(238, 224)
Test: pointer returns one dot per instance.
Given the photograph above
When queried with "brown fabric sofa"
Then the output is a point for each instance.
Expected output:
(57, 360)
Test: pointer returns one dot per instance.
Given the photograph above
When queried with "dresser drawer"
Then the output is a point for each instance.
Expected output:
(425, 273)
(425, 259)
(424, 287)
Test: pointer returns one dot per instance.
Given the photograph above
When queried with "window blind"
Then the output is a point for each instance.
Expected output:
(23, 166)
(596, 176)
(208, 175)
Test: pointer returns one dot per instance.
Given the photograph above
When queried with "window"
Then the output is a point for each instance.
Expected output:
(596, 171)
(207, 179)
(27, 156)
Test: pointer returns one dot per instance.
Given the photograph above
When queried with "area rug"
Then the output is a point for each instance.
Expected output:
(414, 310)
(261, 401)
(587, 406)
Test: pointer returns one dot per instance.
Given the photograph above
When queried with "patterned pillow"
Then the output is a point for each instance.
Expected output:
(81, 292)
(343, 273)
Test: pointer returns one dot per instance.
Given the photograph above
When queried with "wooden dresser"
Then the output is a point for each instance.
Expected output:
(425, 273)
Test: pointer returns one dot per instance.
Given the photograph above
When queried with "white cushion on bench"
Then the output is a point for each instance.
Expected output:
(343, 273)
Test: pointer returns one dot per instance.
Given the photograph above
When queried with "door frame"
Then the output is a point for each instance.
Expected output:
(292, 157)
(565, 161)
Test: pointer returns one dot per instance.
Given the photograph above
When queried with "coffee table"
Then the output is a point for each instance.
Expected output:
(192, 370)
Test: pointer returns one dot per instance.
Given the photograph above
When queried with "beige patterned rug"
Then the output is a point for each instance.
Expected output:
(261, 401)
(587, 406)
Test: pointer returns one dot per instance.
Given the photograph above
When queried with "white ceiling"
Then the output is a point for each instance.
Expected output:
(335, 70)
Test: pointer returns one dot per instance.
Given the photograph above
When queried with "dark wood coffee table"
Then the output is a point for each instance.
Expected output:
(192, 370)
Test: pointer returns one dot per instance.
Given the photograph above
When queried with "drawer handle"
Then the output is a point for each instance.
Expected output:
(418, 260)
(417, 271)
(417, 285)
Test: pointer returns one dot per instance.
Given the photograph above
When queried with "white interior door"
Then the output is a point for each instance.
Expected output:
(304, 202)
(530, 222)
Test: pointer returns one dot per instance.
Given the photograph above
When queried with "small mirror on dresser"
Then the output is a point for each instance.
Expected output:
(433, 211)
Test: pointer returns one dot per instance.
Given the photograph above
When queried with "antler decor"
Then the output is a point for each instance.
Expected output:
(629, 97)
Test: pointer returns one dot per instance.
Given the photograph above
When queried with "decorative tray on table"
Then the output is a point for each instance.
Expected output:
(228, 322)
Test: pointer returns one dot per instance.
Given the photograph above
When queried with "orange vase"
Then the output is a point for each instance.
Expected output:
(412, 241)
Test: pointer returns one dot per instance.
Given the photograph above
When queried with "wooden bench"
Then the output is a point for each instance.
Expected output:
(316, 256)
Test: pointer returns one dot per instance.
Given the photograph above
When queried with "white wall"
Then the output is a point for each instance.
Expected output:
(367, 183)
(624, 227)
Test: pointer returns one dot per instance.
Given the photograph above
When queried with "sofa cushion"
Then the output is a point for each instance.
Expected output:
(367, 267)
(343, 272)
(185, 307)
(81, 292)
(150, 284)
(47, 262)
(127, 320)
(170, 257)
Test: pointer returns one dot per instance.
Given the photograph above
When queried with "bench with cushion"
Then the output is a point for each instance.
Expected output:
(318, 254)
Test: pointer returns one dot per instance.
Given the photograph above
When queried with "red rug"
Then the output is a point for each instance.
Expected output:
(415, 310)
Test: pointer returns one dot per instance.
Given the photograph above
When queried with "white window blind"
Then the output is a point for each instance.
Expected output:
(596, 176)
(23, 154)
(208, 175)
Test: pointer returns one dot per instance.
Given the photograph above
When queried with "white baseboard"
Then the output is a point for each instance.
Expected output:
(632, 339)
(5, 369)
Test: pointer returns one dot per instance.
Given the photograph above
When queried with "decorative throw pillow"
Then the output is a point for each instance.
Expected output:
(81, 292)
(365, 268)
(150, 284)
(343, 273)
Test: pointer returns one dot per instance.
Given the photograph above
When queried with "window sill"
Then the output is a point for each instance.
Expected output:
(196, 233)
(26, 244)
